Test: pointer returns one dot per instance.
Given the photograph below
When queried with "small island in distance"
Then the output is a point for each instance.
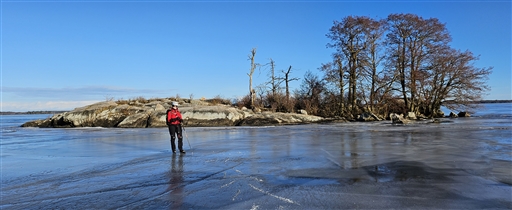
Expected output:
(32, 112)
(494, 101)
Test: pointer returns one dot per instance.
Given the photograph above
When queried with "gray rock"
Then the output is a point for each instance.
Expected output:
(438, 114)
(157, 119)
(411, 116)
(138, 120)
(103, 114)
(159, 107)
(139, 115)
(256, 110)
(37, 123)
(398, 119)
(464, 114)
(272, 118)
(368, 116)
(220, 115)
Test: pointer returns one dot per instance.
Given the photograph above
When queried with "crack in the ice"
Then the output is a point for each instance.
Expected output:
(275, 196)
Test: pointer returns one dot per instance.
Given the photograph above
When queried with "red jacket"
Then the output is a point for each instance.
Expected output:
(173, 117)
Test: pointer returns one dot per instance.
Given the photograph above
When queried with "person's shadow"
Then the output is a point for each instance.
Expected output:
(176, 182)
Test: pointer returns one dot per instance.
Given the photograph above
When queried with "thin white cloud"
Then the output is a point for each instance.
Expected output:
(80, 93)
(44, 105)
(50, 99)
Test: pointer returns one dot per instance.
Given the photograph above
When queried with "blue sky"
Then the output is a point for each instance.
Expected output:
(59, 55)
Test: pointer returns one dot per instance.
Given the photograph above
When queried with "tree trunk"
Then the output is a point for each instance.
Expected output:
(253, 67)
(341, 84)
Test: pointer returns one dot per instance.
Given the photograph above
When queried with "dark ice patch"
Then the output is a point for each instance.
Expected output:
(407, 170)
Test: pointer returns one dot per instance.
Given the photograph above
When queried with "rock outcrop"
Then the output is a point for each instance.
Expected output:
(464, 114)
(398, 118)
(368, 117)
(152, 114)
(271, 118)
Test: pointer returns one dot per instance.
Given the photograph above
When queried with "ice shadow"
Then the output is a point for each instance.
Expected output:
(408, 170)
(395, 171)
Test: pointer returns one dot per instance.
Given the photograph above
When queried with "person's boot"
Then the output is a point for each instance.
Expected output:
(180, 145)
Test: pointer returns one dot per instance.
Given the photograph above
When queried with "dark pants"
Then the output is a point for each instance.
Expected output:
(176, 130)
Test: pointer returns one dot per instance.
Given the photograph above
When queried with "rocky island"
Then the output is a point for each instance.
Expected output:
(151, 113)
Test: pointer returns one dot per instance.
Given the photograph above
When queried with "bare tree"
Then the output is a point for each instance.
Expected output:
(356, 42)
(275, 98)
(451, 77)
(253, 67)
(334, 73)
(274, 80)
(287, 79)
(310, 93)
(418, 73)
(414, 38)
(373, 32)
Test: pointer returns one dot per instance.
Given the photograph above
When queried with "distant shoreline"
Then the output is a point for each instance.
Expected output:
(57, 112)
(485, 102)
(494, 101)
(32, 112)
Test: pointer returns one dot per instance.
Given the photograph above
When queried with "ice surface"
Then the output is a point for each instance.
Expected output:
(458, 164)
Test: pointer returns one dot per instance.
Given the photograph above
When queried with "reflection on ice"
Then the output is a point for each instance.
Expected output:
(176, 182)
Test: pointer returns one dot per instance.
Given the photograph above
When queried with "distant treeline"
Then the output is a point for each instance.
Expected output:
(31, 112)
(494, 101)
(481, 102)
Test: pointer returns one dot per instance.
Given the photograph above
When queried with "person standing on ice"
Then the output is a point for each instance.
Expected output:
(174, 121)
